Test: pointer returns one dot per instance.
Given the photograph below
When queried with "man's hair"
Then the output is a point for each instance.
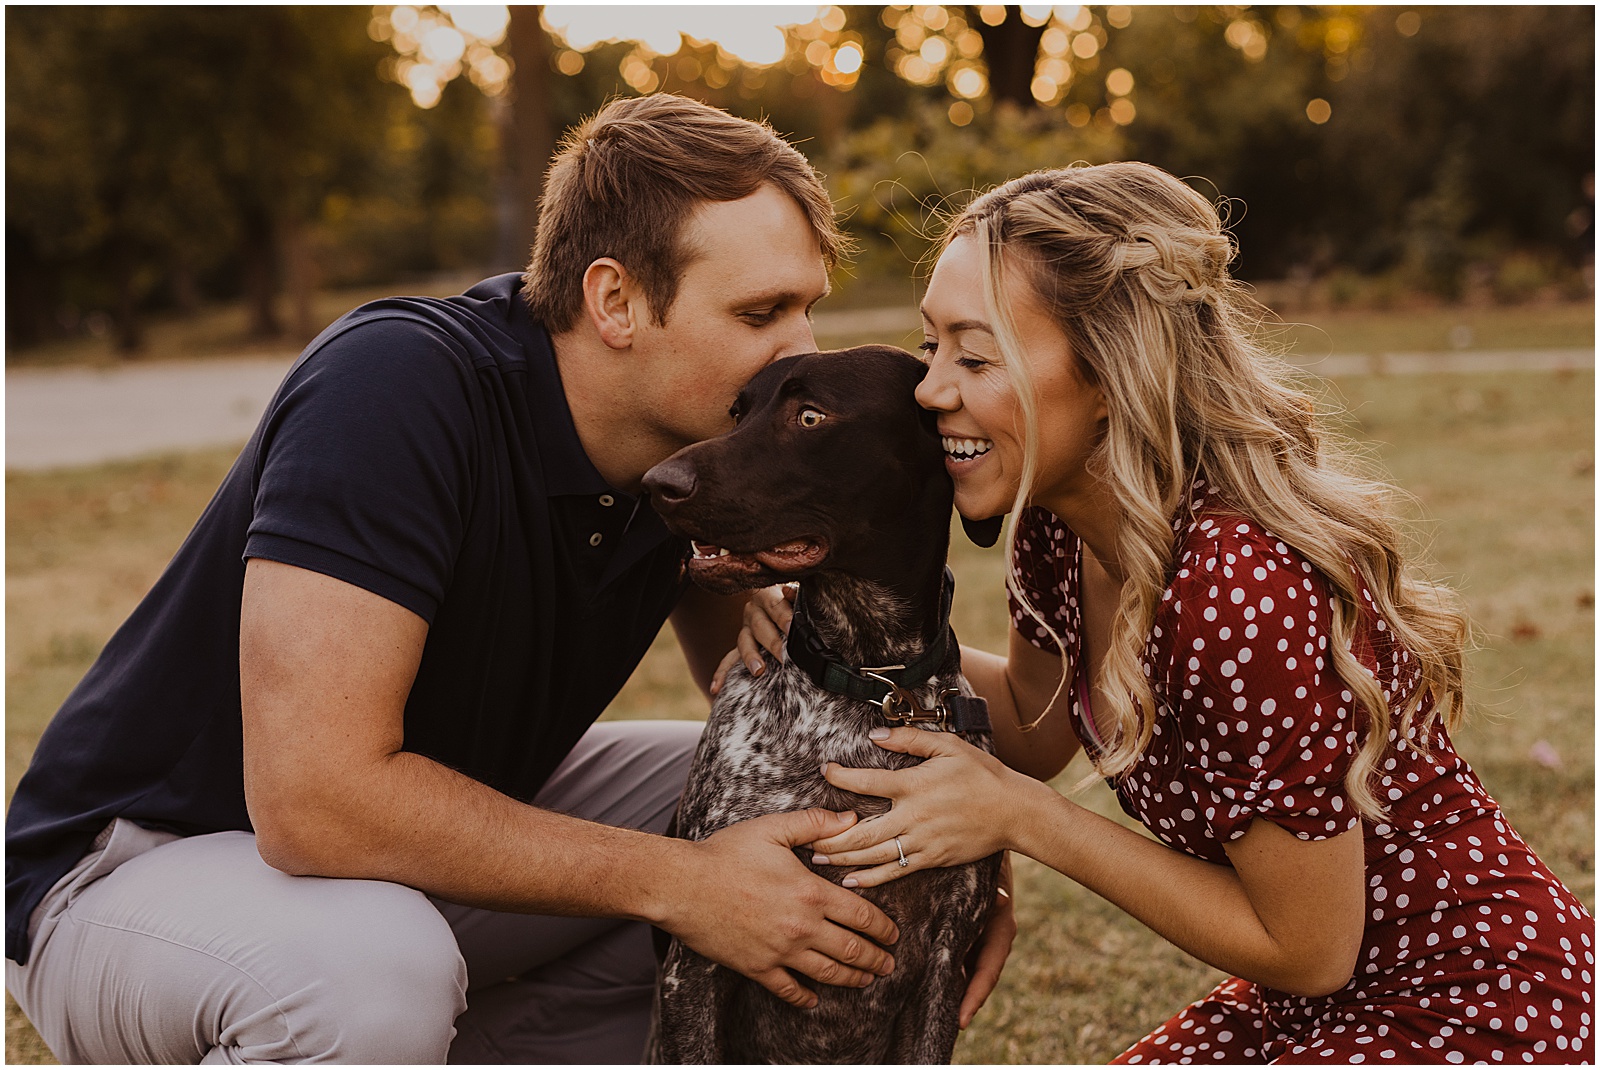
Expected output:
(627, 178)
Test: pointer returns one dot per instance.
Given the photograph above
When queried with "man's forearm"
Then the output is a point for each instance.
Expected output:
(410, 820)
(707, 627)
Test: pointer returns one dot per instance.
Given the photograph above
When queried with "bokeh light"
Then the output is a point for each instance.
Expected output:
(752, 35)
(435, 45)
(486, 22)
(1248, 36)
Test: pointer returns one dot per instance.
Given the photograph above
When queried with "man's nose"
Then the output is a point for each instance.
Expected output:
(802, 339)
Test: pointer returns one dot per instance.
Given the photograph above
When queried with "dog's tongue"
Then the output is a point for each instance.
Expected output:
(791, 556)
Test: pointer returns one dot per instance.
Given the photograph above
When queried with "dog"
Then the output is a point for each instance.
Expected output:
(833, 477)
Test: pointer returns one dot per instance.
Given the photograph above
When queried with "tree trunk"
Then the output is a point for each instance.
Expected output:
(1010, 49)
(527, 137)
(130, 331)
(300, 271)
(260, 272)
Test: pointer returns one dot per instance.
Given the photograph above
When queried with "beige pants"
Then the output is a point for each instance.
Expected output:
(166, 949)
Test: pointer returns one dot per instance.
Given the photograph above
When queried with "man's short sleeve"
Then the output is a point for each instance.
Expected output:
(365, 463)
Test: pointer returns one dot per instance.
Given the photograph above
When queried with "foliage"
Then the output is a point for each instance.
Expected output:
(150, 147)
(1453, 137)
(158, 156)
(895, 178)
(1471, 137)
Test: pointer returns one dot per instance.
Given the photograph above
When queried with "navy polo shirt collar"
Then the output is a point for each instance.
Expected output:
(568, 472)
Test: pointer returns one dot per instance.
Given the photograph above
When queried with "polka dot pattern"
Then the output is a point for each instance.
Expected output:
(1473, 950)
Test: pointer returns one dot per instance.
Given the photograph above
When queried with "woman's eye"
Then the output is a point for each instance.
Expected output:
(928, 347)
(811, 418)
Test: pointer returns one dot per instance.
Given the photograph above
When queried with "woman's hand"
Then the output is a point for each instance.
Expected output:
(954, 808)
(766, 625)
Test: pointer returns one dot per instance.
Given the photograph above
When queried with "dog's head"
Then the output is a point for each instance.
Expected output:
(831, 466)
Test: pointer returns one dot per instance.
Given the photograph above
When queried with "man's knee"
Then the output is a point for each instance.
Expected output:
(199, 949)
(384, 987)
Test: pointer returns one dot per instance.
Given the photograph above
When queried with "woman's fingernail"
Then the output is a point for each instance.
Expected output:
(824, 768)
(849, 882)
(878, 733)
(821, 860)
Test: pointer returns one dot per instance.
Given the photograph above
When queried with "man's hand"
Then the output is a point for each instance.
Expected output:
(988, 956)
(743, 899)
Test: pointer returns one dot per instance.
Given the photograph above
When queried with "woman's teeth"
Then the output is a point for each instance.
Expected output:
(967, 447)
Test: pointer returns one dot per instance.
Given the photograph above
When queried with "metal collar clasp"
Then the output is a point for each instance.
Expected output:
(900, 707)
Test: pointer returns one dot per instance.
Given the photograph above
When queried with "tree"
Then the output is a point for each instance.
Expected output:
(1010, 51)
(151, 144)
(528, 135)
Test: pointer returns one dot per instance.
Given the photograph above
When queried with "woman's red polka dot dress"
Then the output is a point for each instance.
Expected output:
(1473, 950)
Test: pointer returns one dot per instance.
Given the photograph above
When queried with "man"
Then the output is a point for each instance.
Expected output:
(334, 781)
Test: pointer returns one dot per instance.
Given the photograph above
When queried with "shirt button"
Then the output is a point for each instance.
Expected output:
(607, 500)
(594, 540)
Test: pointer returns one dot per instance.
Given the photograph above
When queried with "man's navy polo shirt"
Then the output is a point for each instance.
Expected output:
(421, 449)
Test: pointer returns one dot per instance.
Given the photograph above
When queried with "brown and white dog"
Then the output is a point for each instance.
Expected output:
(832, 476)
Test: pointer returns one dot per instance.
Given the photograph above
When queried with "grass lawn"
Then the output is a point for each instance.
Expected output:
(1502, 469)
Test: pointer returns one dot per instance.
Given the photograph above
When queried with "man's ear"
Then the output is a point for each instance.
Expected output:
(608, 292)
(983, 532)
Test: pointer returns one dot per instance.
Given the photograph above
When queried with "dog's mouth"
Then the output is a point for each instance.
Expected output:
(721, 567)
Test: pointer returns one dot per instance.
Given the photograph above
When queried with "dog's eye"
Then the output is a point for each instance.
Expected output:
(811, 417)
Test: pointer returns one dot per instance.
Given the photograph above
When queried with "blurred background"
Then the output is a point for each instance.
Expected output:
(193, 192)
(160, 160)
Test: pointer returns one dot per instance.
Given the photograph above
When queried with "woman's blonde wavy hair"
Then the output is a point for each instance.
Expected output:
(1132, 265)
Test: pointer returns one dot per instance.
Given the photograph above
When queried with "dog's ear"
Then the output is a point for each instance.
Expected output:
(983, 532)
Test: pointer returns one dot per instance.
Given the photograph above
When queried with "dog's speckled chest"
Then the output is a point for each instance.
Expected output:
(764, 745)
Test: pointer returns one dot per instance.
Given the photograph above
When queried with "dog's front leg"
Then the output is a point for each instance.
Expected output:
(691, 992)
(929, 1023)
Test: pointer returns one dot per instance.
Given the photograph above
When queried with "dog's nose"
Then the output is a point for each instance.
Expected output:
(670, 481)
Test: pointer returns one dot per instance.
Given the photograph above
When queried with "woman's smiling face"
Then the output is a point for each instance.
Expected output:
(980, 414)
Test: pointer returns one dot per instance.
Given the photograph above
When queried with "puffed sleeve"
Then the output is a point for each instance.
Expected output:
(1273, 727)
(1044, 567)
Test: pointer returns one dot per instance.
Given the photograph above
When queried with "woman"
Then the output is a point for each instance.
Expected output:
(1220, 615)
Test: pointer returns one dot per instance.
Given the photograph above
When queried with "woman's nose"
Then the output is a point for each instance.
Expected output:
(937, 393)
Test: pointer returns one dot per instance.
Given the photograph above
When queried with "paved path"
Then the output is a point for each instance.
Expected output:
(75, 416)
